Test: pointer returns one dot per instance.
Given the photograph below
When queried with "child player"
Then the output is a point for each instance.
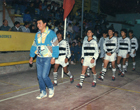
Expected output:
(100, 45)
(110, 46)
(64, 55)
(89, 56)
(88, 69)
(124, 48)
(134, 48)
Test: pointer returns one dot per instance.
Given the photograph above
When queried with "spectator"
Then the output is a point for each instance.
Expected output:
(5, 26)
(47, 12)
(44, 5)
(68, 39)
(40, 5)
(56, 26)
(79, 51)
(36, 3)
(33, 29)
(70, 30)
(73, 52)
(57, 15)
(16, 27)
(31, 9)
(52, 5)
(76, 29)
(25, 28)
(27, 16)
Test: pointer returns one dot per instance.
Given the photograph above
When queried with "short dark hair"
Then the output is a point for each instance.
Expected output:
(91, 29)
(124, 30)
(4, 20)
(116, 32)
(16, 23)
(111, 29)
(60, 32)
(130, 31)
(104, 32)
(43, 19)
(26, 23)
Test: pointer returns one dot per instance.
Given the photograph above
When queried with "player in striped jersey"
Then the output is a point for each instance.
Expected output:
(88, 69)
(110, 46)
(64, 55)
(89, 56)
(134, 48)
(100, 45)
(123, 51)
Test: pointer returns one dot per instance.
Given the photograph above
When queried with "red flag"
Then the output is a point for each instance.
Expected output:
(67, 6)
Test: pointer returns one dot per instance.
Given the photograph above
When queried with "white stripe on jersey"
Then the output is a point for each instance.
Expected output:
(90, 48)
(94, 37)
(110, 44)
(64, 49)
(124, 44)
(134, 43)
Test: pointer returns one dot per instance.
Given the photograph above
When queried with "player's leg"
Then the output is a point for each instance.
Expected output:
(94, 76)
(119, 64)
(134, 63)
(55, 74)
(69, 74)
(82, 76)
(126, 63)
(101, 77)
(87, 72)
(124, 67)
(113, 70)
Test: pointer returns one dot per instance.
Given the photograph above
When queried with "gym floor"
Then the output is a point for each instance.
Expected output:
(18, 91)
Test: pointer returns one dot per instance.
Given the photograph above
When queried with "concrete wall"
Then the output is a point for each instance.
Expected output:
(14, 57)
(130, 18)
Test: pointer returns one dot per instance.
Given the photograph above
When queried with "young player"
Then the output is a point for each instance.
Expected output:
(100, 45)
(89, 56)
(64, 55)
(110, 46)
(123, 51)
(134, 48)
(88, 69)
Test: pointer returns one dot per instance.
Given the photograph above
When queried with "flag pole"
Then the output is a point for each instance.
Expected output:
(65, 23)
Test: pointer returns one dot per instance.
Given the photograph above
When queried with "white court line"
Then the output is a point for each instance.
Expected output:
(29, 92)
(35, 91)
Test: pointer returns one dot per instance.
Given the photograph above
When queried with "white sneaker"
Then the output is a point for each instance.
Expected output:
(72, 63)
(42, 95)
(51, 92)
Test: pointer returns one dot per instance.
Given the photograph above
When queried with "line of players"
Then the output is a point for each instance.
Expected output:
(110, 48)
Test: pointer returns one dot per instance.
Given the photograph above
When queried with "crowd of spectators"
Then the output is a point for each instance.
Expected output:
(53, 13)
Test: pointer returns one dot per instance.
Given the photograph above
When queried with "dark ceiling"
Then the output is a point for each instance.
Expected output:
(113, 7)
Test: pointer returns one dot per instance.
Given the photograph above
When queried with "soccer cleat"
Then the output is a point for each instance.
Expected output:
(42, 95)
(54, 84)
(119, 73)
(100, 78)
(122, 75)
(133, 69)
(86, 76)
(113, 78)
(51, 92)
(72, 79)
(93, 84)
(72, 63)
(78, 86)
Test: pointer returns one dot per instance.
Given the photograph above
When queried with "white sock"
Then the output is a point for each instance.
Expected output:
(55, 77)
(134, 64)
(114, 71)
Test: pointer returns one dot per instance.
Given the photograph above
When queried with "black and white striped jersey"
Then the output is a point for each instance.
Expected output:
(64, 49)
(90, 48)
(134, 43)
(124, 44)
(110, 44)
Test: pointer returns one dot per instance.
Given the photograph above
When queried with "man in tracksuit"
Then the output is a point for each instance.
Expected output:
(45, 46)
